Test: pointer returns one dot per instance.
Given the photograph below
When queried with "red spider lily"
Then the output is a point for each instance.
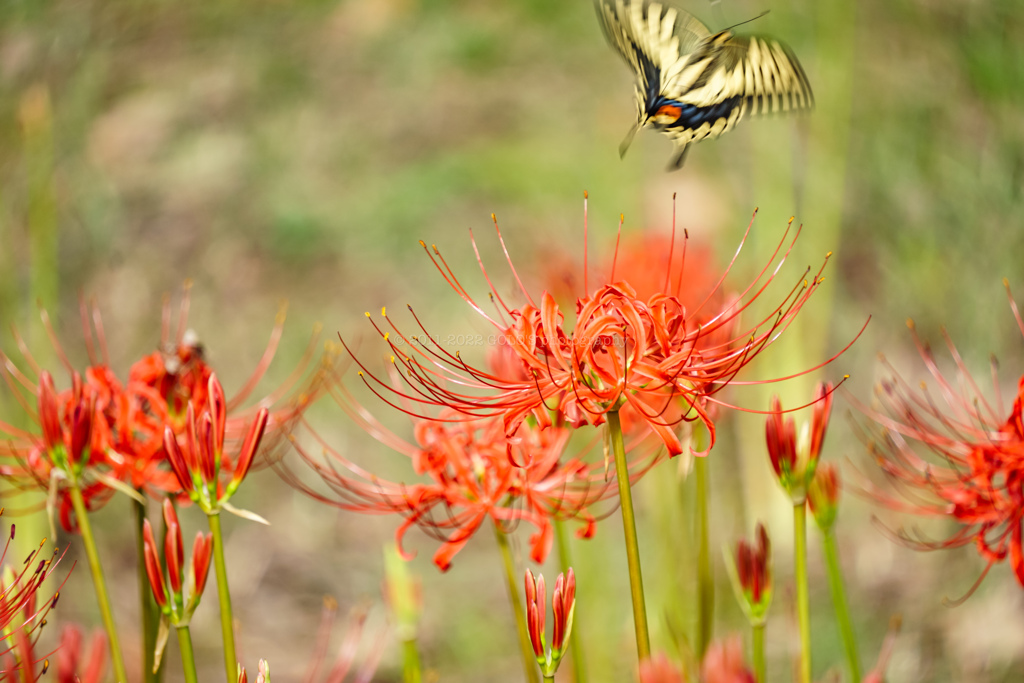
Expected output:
(563, 607)
(795, 458)
(22, 618)
(651, 355)
(346, 653)
(823, 495)
(170, 593)
(69, 657)
(129, 419)
(753, 575)
(469, 472)
(975, 472)
(198, 463)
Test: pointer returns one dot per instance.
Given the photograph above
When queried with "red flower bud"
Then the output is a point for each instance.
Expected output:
(218, 411)
(753, 568)
(202, 550)
(178, 463)
(823, 495)
(153, 569)
(174, 552)
(780, 435)
(535, 611)
(250, 446)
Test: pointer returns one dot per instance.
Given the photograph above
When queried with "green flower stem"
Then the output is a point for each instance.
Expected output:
(705, 579)
(99, 583)
(411, 668)
(760, 669)
(549, 678)
(529, 662)
(803, 602)
(227, 625)
(835, 583)
(147, 604)
(579, 673)
(636, 581)
(188, 657)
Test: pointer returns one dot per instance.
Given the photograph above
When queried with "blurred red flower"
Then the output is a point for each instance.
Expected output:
(955, 455)
(125, 421)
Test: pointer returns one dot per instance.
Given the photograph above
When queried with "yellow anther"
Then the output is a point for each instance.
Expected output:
(585, 195)
(384, 311)
(366, 313)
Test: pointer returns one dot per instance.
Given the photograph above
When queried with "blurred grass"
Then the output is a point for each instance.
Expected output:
(299, 150)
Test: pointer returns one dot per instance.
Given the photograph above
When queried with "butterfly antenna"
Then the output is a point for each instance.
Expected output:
(746, 22)
(628, 140)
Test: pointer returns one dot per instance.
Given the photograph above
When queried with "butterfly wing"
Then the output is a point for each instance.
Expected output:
(709, 81)
(651, 38)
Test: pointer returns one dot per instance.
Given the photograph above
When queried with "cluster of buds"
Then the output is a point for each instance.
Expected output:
(752, 576)
(563, 606)
(176, 603)
(794, 456)
(823, 496)
(197, 464)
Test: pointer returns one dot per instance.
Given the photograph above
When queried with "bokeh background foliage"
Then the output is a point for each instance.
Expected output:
(276, 150)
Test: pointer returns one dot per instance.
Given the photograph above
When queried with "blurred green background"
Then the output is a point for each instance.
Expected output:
(275, 150)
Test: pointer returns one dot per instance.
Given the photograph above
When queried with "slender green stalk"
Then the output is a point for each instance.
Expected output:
(99, 583)
(705, 579)
(227, 625)
(835, 583)
(188, 657)
(636, 581)
(147, 605)
(760, 669)
(411, 668)
(529, 663)
(579, 672)
(803, 602)
(549, 678)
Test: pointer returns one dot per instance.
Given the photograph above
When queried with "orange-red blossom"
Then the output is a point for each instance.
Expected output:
(955, 454)
(654, 355)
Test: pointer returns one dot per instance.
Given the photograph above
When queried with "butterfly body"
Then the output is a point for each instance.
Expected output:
(692, 84)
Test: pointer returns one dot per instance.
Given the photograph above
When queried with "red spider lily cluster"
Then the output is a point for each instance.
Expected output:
(955, 454)
(469, 473)
(663, 361)
(105, 434)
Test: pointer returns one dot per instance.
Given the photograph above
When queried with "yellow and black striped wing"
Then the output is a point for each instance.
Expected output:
(693, 85)
(652, 38)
